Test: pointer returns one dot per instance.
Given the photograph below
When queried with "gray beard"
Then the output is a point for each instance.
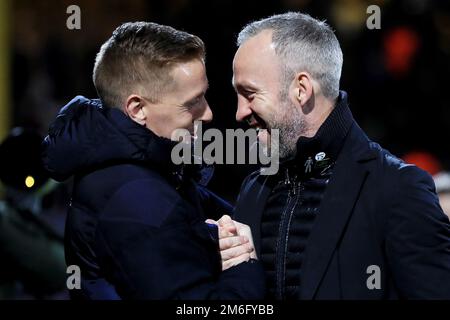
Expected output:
(291, 125)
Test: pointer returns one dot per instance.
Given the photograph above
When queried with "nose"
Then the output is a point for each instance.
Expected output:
(207, 115)
(243, 110)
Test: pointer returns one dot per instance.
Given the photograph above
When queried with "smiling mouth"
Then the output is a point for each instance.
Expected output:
(257, 123)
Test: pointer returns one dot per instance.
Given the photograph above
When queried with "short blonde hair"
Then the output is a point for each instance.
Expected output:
(139, 57)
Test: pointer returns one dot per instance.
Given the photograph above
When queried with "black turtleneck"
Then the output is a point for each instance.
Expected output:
(295, 200)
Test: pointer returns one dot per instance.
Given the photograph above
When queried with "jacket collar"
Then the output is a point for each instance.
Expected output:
(86, 135)
(315, 153)
(148, 147)
(156, 150)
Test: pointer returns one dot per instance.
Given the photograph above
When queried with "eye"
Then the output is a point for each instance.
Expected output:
(248, 94)
(195, 102)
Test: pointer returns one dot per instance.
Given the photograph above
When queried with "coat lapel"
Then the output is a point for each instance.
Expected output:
(337, 206)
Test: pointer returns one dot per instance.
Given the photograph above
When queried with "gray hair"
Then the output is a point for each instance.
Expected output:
(303, 44)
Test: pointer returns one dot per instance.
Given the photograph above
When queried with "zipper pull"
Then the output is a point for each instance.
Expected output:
(287, 180)
(294, 182)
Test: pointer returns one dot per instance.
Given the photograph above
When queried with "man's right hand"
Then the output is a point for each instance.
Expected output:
(235, 242)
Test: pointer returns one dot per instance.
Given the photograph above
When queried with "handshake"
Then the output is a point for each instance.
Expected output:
(235, 242)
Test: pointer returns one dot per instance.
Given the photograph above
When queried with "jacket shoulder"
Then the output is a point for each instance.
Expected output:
(392, 167)
(127, 192)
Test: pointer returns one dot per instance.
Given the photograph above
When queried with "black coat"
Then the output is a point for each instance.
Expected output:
(376, 210)
(136, 225)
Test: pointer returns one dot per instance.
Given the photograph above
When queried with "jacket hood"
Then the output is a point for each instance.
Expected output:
(86, 135)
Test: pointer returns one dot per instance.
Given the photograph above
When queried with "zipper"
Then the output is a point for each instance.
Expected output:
(285, 223)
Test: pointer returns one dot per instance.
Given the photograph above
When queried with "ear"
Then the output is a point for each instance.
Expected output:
(302, 88)
(134, 108)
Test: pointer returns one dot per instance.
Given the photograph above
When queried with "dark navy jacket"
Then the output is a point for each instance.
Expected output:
(377, 214)
(135, 225)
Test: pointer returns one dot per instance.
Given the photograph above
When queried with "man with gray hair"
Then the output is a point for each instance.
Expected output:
(343, 218)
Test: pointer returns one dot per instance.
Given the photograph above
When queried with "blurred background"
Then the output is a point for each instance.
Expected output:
(397, 79)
